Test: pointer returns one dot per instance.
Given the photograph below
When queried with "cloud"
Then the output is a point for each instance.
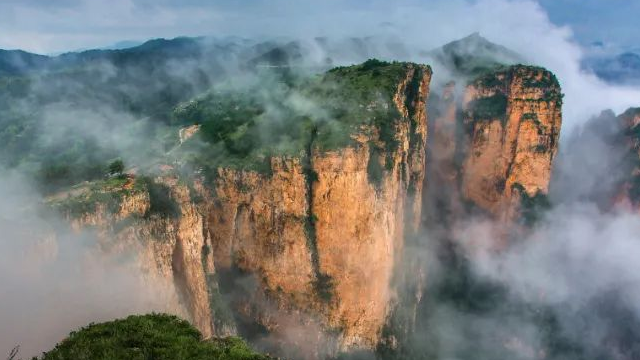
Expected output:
(53, 280)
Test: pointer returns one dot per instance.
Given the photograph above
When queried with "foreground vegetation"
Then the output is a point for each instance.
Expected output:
(155, 336)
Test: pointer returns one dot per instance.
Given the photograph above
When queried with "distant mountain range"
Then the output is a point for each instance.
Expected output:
(468, 56)
(621, 69)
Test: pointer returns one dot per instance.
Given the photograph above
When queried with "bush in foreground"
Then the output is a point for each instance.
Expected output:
(155, 336)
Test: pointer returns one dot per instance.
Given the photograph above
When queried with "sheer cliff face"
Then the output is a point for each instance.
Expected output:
(512, 120)
(168, 247)
(321, 236)
(308, 248)
(306, 252)
(628, 194)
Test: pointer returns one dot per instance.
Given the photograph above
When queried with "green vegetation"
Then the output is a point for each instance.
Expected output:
(85, 198)
(495, 106)
(375, 171)
(246, 126)
(532, 208)
(116, 168)
(489, 108)
(492, 79)
(155, 336)
(161, 203)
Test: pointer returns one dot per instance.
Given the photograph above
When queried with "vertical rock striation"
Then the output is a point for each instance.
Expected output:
(512, 119)
(322, 233)
(305, 251)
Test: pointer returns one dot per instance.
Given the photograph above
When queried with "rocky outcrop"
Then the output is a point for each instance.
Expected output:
(158, 223)
(512, 119)
(628, 187)
(305, 251)
(323, 233)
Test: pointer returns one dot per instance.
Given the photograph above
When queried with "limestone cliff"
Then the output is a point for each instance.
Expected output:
(628, 188)
(512, 120)
(322, 233)
(156, 221)
(304, 251)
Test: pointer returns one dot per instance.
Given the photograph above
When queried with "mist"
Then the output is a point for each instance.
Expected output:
(578, 257)
(54, 279)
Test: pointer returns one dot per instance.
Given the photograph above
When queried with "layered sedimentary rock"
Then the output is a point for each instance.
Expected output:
(512, 119)
(308, 247)
(319, 232)
(164, 231)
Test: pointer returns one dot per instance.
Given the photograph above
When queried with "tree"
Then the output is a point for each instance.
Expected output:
(116, 168)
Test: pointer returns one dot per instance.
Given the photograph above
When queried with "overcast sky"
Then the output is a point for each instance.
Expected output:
(46, 26)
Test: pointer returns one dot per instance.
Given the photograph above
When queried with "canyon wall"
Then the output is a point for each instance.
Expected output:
(512, 122)
(318, 229)
(308, 247)
(309, 252)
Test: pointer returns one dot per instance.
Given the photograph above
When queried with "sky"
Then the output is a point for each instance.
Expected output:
(50, 27)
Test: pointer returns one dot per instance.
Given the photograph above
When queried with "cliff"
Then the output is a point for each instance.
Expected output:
(301, 238)
(628, 186)
(155, 220)
(304, 250)
(512, 121)
(323, 232)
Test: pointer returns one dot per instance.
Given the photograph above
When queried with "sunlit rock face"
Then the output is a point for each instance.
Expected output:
(310, 245)
(308, 253)
(512, 119)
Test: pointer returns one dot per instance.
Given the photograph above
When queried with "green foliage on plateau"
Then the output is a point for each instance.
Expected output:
(495, 106)
(85, 198)
(491, 79)
(155, 336)
(248, 125)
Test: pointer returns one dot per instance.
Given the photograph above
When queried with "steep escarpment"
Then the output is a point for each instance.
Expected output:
(493, 145)
(297, 237)
(512, 121)
(322, 232)
(628, 187)
(155, 220)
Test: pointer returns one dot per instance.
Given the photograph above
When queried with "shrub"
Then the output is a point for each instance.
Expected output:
(160, 200)
(155, 336)
(531, 207)
(489, 108)
(116, 168)
(375, 171)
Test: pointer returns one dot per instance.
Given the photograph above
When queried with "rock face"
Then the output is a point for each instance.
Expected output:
(628, 193)
(306, 251)
(512, 119)
(309, 247)
(320, 234)
(169, 247)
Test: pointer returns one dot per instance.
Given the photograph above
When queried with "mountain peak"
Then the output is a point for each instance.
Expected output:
(473, 55)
